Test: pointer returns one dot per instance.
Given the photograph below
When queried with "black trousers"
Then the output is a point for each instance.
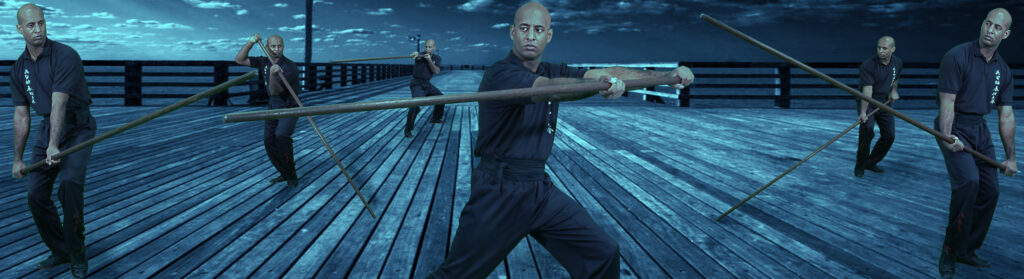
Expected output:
(421, 88)
(974, 187)
(277, 138)
(510, 200)
(866, 156)
(66, 239)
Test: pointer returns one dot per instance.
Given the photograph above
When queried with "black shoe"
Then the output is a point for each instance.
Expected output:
(51, 262)
(947, 265)
(974, 261)
(79, 270)
(293, 182)
(874, 168)
(858, 172)
(277, 179)
(408, 133)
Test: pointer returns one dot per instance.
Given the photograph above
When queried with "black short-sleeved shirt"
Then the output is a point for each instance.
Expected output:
(517, 129)
(421, 70)
(978, 85)
(291, 72)
(880, 77)
(57, 69)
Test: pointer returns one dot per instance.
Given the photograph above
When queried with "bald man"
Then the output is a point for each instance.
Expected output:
(879, 76)
(974, 79)
(49, 76)
(427, 65)
(277, 133)
(512, 196)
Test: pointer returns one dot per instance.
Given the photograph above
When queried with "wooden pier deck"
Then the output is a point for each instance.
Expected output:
(187, 195)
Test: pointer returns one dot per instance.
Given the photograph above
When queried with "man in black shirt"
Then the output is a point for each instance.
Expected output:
(973, 79)
(49, 76)
(512, 196)
(277, 133)
(427, 65)
(879, 76)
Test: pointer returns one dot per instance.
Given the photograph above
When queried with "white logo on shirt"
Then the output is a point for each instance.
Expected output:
(28, 87)
(995, 89)
(893, 77)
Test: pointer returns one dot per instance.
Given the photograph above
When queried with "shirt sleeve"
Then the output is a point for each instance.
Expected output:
(68, 74)
(867, 75)
(17, 89)
(570, 72)
(899, 69)
(950, 76)
(437, 60)
(508, 78)
(1006, 93)
(255, 62)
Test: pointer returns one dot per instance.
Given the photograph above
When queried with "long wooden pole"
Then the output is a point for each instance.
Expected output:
(283, 80)
(443, 99)
(847, 88)
(823, 146)
(370, 59)
(145, 118)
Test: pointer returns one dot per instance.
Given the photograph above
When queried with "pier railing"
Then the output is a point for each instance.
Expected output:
(783, 84)
(135, 81)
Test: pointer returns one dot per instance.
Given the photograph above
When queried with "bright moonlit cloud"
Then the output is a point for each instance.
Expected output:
(475, 5)
(381, 11)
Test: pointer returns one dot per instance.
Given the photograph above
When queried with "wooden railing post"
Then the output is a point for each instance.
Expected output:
(783, 97)
(329, 75)
(220, 75)
(132, 83)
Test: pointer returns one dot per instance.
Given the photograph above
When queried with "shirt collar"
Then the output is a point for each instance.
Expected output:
(47, 46)
(975, 50)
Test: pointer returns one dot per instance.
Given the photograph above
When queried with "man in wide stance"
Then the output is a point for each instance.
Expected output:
(973, 79)
(49, 76)
(427, 65)
(512, 196)
(277, 133)
(879, 76)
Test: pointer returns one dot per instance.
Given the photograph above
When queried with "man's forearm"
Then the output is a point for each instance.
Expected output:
(1007, 128)
(624, 73)
(243, 54)
(867, 91)
(434, 69)
(562, 97)
(946, 114)
(60, 100)
(22, 122)
(274, 85)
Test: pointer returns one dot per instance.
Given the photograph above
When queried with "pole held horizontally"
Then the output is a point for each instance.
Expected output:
(823, 146)
(443, 99)
(847, 88)
(145, 118)
(316, 129)
(370, 59)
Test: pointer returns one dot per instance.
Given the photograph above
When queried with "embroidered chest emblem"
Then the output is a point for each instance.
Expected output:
(893, 83)
(28, 87)
(995, 89)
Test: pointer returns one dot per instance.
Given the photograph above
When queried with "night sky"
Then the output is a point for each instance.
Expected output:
(476, 31)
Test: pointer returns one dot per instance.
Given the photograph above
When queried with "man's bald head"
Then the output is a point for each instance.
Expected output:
(995, 28)
(530, 31)
(1003, 14)
(29, 10)
(887, 40)
(532, 8)
(429, 46)
(885, 47)
(32, 25)
(275, 45)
